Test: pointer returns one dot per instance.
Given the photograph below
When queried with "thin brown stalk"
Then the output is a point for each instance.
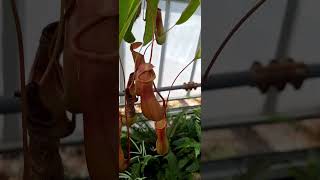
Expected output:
(125, 112)
(177, 77)
(57, 45)
(164, 104)
(151, 51)
(229, 36)
(23, 91)
(145, 50)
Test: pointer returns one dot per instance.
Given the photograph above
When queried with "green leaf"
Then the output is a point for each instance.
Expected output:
(172, 172)
(188, 12)
(125, 175)
(198, 54)
(197, 149)
(127, 16)
(135, 170)
(198, 130)
(151, 14)
(136, 146)
(123, 11)
(129, 37)
(183, 162)
(145, 162)
(193, 167)
(176, 123)
(185, 142)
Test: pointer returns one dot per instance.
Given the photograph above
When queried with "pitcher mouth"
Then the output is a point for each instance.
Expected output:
(145, 69)
(89, 54)
(138, 58)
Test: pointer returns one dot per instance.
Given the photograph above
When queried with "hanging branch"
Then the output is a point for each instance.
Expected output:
(229, 36)
(23, 90)
(57, 43)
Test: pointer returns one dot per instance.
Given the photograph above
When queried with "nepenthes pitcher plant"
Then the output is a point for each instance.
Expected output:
(87, 37)
(141, 84)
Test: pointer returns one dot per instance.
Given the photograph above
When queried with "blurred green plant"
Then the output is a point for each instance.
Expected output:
(310, 172)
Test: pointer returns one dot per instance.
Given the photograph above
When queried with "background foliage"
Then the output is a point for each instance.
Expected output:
(183, 159)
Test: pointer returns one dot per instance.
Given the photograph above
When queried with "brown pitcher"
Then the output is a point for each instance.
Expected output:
(90, 78)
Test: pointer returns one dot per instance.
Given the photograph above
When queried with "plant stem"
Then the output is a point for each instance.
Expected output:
(229, 36)
(178, 76)
(57, 46)
(151, 51)
(23, 91)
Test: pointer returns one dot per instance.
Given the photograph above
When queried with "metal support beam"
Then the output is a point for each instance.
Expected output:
(11, 105)
(284, 42)
(246, 78)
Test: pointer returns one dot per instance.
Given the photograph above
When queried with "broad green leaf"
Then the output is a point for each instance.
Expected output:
(151, 14)
(188, 11)
(129, 37)
(132, 11)
(123, 11)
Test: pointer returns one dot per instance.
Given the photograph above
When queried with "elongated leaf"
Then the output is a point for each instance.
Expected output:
(132, 11)
(129, 37)
(151, 14)
(171, 172)
(188, 12)
(123, 11)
